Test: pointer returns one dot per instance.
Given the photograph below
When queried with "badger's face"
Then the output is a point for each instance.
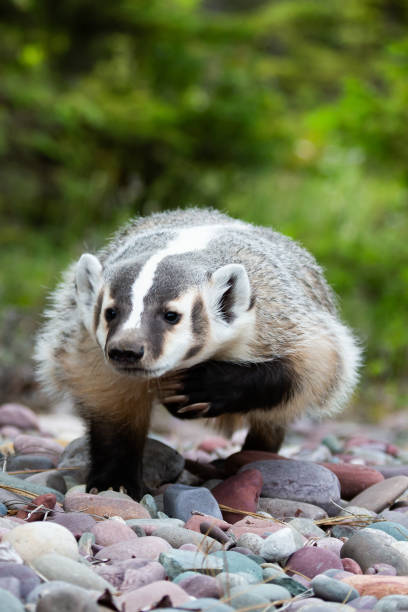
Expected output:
(152, 319)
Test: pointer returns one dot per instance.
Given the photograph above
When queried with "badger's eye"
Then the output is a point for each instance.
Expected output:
(172, 317)
(110, 314)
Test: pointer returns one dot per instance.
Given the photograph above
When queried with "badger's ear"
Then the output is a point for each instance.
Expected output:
(230, 291)
(88, 280)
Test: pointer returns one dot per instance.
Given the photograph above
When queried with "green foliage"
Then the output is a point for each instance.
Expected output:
(289, 113)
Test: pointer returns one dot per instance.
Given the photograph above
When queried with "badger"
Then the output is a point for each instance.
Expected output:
(211, 317)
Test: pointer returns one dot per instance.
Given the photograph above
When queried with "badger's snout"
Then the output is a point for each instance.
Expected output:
(124, 352)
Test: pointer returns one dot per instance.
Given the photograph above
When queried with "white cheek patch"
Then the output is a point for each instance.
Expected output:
(186, 240)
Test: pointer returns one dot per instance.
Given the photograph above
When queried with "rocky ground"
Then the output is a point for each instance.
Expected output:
(322, 526)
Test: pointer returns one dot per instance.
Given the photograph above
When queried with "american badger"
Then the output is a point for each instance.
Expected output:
(208, 315)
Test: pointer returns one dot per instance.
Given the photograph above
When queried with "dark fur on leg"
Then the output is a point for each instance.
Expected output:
(268, 438)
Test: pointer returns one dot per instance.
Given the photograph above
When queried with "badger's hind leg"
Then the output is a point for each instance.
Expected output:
(264, 435)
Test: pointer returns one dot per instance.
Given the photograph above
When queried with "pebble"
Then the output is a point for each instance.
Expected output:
(42, 502)
(205, 603)
(397, 531)
(111, 532)
(27, 578)
(334, 545)
(199, 585)
(51, 478)
(367, 547)
(29, 462)
(331, 589)
(177, 561)
(349, 565)
(286, 508)
(252, 541)
(9, 602)
(136, 578)
(227, 580)
(76, 522)
(281, 544)
(54, 566)
(12, 585)
(235, 562)
(311, 561)
(26, 445)
(34, 539)
(66, 598)
(241, 599)
(104, 506)
(180, 501)
(252, 524)
(391, 603)
(383, 494)
(366, 602)
(177, 536)
(150, 525)
(307, 528)
(18, 416)
(300, 481)
(194, 523)
(354, 478)
(151, 595)
(383, 569)
(3, 509)
(161, 463)
(31, 488)
(149, 547)
(378, 586)
(150, 504)
(240, 492)
(213, 443)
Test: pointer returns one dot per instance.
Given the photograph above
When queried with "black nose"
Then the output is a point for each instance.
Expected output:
(126, 356)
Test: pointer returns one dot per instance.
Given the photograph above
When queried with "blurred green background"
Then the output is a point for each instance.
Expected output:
(290, 113)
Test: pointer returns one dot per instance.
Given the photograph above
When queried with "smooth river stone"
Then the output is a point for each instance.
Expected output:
(299, 481)
(177, 561)
(237, 460)
(180, 501)
(258, 526)
(311, 561)
(66, 598)
(281, 544)
(392, 603)
(353, 478)
(101, 506)
(177, 536)
(397, 531)
(194, 523)
(56, 567)
(161, 463)
(369, 546)
(235, 562)
(111, 532)
(199, 585)
(286, 508)
(25, 575)
(18, 416)
(149, 547)
(150, 525)
(378, 586)
(383, 494)
(10, 603)
(135, 578)
(76, 522)
(331, 589)
(37, 445)
(34, 539)
(240, 492)
(29, 462)
(25, 486)
(151, 595)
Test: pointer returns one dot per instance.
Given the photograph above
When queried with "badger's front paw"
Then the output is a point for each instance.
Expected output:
(203, 391)
(102, 482)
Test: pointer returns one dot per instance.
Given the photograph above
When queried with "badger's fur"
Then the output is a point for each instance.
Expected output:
(210, 316)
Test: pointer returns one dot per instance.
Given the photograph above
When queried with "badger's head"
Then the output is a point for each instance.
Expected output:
(155, 317)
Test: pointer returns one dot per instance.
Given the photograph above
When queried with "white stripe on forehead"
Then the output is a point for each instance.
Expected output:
(187, 239)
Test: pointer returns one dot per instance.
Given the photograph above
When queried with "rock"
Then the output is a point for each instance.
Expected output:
(150, 525)
(213, 443)
(214, 532)
(48, 500)
(200, 585)
(86, 544)
(281, 544)
(307, 528)
(54, 566)
(317, 605)
(180, 501)
(235, 562)
(391, 603)
(383, 569)
(241, 599)
(383, 494)
(293, 586)
(76, 522)
(177, 536)
(367, 548)
(111, 532)
(397, 531)
(19, 416)
(331, 589)
(34, 539)
(104, 507)
(227, 580)
(66, 598)
(51, 479)
(252, 541)
(240, 492)
(150, 504)
(156, 594)
(161, 463)
(3, 509)
(237, 460)
(9, 602)
(311, 561)
(378, 586)
(250, 524)
(299, 481)
(27, 578)
(395, 516)
(75, 455)
(25, 486)
(286, 508)
(149, 547)
(177, 561)
(367, 602)
(194, 523)
(334, 545)
(12, 585)
(349, 565)
(354, 478)
(204, 604)
(26, 445)
(136, 578)
(28, 462)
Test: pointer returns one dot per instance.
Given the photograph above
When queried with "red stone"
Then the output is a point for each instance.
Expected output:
(240, 492)
(352, 566)
(258, 526)
(195, 521)
(310, 561)
(47, 499)
(237, 460)
(353, 478)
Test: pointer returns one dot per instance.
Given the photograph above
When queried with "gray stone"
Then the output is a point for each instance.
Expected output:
(317, 605)
(26, 486)
(281, 544)
(272, 592)
(226, 580)
(64, 597)
(380, 495)
(177, 561)
(12, 585)
(150, 525)
(27, 577)
(299, 481)
(397, 531)
(180, 501)
(307, 527)
(390, 603)
(10, 603)
(366, 602)
(177, 536)
(331, 589)
(51, 478)
(161, 463)
(75, 455)
(204, 603)
(368, 547)
(286, 508)
(290, 584)
(235, 562)
(28, 462)
(251, 541)
(12, 501)
(56, 567)
(150, 504)
(247, 599)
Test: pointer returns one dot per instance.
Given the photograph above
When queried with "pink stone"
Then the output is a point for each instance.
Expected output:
(48, 500)
(334, 545)
(148, 547)
(9, 431)
(352, 566)
(210, 444)
(258, 526)
(18, 416)
(195, 521)
(151, 595)
(201, 586)
(240, 492)
(137, 578)
(37, 445)
(104, 506)
(188, 547)
(353, 478)
(311, 561)
(111, 532)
